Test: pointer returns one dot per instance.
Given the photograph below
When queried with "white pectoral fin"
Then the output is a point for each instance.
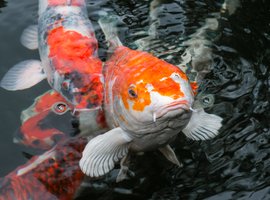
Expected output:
(102, 152)
(202, 126)
(23, 75)
(168, 152)
(29, 37)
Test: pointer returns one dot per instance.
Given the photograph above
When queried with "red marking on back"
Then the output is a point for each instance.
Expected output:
(141, 68)
(71, 51)
(64, 2)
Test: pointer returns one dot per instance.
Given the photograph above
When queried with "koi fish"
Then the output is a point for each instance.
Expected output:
(147, 103)
(68, 51)
(49, 120)
(53, 175)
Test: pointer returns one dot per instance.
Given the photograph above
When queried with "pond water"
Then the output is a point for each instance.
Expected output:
(234, 165)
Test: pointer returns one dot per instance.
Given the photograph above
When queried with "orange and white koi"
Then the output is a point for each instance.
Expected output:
(147, 103)
(68, 51)
(53, 175)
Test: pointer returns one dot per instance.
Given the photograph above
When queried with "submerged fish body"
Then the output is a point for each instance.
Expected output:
(147, 103)
(70, 54)
(68, 51)
(49, 120)
(52, 175)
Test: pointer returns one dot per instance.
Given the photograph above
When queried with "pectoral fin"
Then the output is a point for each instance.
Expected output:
(168, 152)
(29, 37)
(202, 126)
(23, 75)
(102, 152)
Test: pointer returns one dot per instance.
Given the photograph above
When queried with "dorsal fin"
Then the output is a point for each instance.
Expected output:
(108, 26)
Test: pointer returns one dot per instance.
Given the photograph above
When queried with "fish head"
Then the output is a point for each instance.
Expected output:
(151, 91)
(45, 123)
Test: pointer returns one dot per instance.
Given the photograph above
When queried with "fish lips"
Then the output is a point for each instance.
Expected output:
(173, 109)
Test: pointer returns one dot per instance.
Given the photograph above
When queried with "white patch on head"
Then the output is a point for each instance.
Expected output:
(185, 87)
(149, 87)
(140, 81)
(163, 79)
(158, 100)
(40, 159)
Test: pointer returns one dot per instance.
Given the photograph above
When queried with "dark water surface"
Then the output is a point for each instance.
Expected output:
(235, 165)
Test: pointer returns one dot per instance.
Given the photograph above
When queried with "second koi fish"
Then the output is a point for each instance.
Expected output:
(68, 51)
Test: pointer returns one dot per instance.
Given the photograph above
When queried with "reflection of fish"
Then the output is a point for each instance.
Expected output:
(47, 121)
(196, 56)
(149, 102)
(41, 124)
(52, 175)
(68, 51)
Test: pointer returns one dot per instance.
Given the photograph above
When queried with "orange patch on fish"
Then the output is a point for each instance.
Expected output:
(141, 69)
(194, 87)
(71, 51)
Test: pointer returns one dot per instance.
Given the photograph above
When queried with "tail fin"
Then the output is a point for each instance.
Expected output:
(108, 25)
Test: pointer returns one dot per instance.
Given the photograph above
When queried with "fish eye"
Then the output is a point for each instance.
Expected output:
(60, 108)
(132, 91)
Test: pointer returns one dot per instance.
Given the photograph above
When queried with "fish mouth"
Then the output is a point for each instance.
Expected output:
(174, 106)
